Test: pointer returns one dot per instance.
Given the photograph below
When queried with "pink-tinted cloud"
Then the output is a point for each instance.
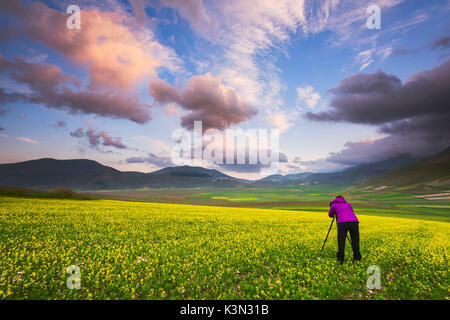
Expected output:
(115, 53)
(55, 89)
(163, 92)
(172, 109)
(27, 140)
(217, 105)
(98, 138)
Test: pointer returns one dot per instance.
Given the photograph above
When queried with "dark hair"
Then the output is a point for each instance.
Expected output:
(340, 197)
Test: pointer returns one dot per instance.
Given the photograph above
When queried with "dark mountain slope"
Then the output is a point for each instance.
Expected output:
(433, 171)
(47, 174)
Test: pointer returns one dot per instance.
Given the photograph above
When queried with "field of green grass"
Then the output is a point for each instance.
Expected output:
(385, 203)
(137, 250)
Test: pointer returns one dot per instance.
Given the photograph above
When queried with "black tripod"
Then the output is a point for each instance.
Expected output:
(329, 233)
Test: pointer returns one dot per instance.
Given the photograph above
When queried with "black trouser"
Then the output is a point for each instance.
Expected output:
(353, 229)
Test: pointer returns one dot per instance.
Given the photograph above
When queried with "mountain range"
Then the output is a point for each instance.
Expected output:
(81, 175)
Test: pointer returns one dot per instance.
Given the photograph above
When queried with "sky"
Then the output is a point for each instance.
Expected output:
(114, 88)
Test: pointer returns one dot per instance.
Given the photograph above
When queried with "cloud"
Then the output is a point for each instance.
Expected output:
(163, 92)
(2, 129)
(441, 43)
(322, 165)
(401, 52)
(158, 161)
(23, 139)
(172, 109)
(282, 119)
(27, 140)
(115, 53)
(6, 97)
(253, 34)
(346, 22)
(98, 138)
(153, 144)
(207, 99)
(378, 98)
(60, 124)
(3, 110)
(139, 11)
(365, 58)
(308, 96)
(53, 88)
(413, 115)
(78, 133)
(244, 32)
(193, 11)
(392, 146)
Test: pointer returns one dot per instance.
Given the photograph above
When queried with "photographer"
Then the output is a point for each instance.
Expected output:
(346, 221)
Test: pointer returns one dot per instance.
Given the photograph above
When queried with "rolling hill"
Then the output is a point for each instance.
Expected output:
(46, 174)
(346, 177)
(432, 172)
(359, 173)
(280, 180)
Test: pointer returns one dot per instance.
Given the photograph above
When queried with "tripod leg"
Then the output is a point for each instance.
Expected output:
(327, 234)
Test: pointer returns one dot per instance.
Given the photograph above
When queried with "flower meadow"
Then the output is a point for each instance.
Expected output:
(129, 250)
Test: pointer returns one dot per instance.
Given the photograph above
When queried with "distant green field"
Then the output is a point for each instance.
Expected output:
(276, 194)
(135, 250)
(311, 198)
(385, 203)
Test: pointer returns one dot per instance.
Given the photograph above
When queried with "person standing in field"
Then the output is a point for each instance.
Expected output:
(346, 222)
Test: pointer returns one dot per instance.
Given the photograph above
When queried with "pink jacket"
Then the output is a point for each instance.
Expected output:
(343, 210)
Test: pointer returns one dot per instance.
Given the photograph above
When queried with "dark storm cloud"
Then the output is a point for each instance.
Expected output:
(414, 115)
(379, 98)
